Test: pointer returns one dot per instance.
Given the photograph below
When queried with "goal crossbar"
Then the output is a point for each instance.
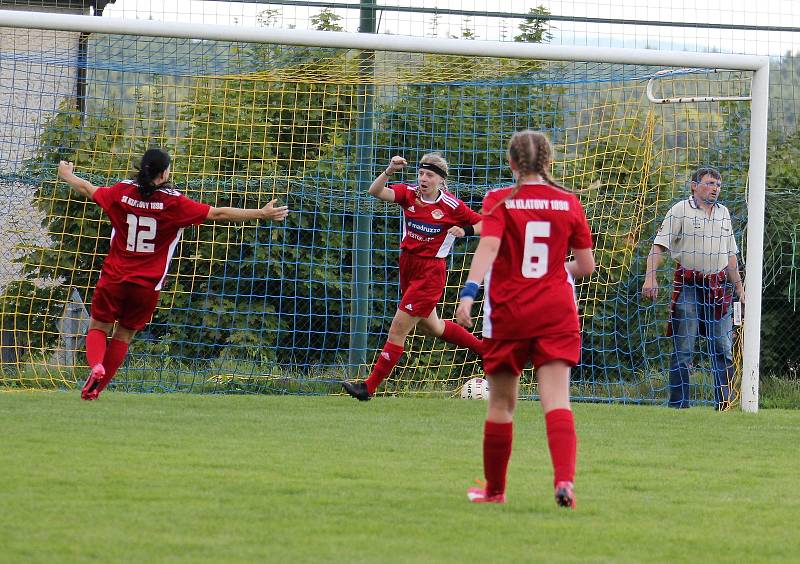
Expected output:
(368, 41)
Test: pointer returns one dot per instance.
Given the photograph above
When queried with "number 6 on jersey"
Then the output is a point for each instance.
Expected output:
(535, 255)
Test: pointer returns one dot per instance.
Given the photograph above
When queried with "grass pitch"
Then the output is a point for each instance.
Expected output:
(185, 478)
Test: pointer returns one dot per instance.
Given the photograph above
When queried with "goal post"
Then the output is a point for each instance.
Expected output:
(336, 101)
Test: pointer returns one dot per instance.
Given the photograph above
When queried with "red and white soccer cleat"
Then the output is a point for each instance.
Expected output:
(91, 389)
(478, 495)
(565, 496)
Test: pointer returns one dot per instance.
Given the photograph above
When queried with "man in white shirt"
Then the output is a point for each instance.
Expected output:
(698, 234)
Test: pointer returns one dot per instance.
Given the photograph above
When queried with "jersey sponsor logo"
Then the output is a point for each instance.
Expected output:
(424, 228)
(437, 214)
(418, 237)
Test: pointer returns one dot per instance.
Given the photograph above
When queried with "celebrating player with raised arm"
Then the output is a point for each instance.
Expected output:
(432, 219)
(530, 312)
(148, 216)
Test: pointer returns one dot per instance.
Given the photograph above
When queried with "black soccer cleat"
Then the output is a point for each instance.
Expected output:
(357, 390)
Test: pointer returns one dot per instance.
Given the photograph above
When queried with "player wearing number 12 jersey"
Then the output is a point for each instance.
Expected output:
(148, 216)
(530, 313)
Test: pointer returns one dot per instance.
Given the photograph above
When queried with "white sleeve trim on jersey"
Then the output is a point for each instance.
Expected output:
(170, 191)
(128, 181)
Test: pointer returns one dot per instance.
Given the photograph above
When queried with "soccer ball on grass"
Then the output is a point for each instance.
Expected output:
(475, 388)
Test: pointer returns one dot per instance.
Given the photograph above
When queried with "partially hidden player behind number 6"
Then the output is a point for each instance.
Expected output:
(148, 216)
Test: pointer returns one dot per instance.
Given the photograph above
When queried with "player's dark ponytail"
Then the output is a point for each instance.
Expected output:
(153, 164)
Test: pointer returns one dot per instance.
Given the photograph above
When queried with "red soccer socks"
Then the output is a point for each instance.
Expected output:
(563, 442)
(457, 335)
(95, 347)
(389, 357)
(497, 439)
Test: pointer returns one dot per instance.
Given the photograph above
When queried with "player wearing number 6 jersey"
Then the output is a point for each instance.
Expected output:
(530, 313)
(148, 217)
(432, 220)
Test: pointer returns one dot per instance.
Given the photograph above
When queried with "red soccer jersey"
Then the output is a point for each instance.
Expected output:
(425, 224)
(145, 231)
(528, 291)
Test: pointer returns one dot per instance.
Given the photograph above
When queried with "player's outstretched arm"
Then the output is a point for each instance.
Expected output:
(269, 212)
(378, 187)
(81, 186)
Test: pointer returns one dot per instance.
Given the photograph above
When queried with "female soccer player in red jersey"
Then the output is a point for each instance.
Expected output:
(529, 309)
(432, 219)
(148, 216)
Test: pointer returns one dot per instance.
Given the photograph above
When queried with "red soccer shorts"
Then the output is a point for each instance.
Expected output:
(422, 281)
(129, 304)
(502, 356)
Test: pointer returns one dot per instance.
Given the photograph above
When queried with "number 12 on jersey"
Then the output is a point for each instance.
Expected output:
(536, 253)
(141, 230)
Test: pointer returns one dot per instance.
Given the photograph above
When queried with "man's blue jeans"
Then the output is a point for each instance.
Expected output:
(690, 310)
